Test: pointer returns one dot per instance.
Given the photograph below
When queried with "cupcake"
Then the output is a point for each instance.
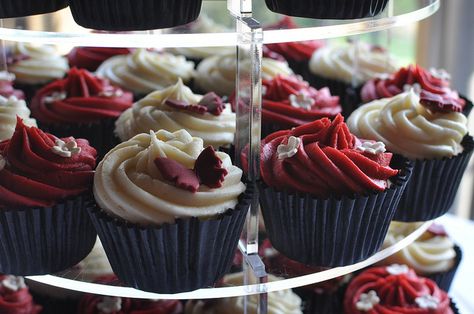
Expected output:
(10, 109)
(98, 304)
(288, 101)
(133, 15)
(434, 82)
(6, 86)
(35, 66)
(81, 105)
(433, 254)
(145, 71)
(177, 107)
(90, 58)
(344, 69)
(328, 9)
(21, 8)
(394, 289)
(181, 205)
(217, 73)
(427, 130)
(15, 297)
(44, 181)
(318, 179)
(279, 302)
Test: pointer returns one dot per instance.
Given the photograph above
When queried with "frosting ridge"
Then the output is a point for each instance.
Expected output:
(10, 109)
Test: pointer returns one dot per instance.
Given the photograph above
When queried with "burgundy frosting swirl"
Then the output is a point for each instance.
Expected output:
(81, 97)
(433, 87)
(278, 109)
(327, 161)
(90, 58)
(16, 302)
(397, 293)
(34, 176)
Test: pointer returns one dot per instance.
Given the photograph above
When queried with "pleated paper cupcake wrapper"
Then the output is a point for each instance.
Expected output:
(99, 134)
(433, 186)
(130, 15)
(328, 9)
(454, 307)
(184, 256)
(41, 241)
(335, 231)
(468, 107)
(444, 279)
(20, 8)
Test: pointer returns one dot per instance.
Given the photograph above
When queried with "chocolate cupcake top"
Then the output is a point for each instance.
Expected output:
(38, 169)
(433, 252)
(10, 109)
(15, 297)
(81, 97)
(434, 83)
(6, 86)
(33, 64)
(145, 71)
(289, 101)
(394, 289)
(90, 58)
(157, 177)
(410, 125)
(279, 302)
(177, 107)
(217, 73)
(340, 62)
(324, 159)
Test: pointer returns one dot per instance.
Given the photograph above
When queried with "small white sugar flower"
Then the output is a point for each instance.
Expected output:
(301, 100)
(290, 149)
(440, 73)
(56, 96)
(110, 305)
(111, 92)
(66, 150)
(13, 283)
(367, 301)
(371, 147)
(427, 302)
(416, 88)
(3, 162)
(396, 269)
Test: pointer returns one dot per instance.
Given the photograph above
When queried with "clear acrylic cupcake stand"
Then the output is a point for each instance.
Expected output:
(248, 38)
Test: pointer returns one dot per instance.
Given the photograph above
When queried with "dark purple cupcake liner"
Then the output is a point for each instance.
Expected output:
(433, 186)
(328, 9)
(444, 279)
(19, 8)
(335, 231)
(468, 107)
(184, 256)
(129, 15)
(454, 307)
(37, 241)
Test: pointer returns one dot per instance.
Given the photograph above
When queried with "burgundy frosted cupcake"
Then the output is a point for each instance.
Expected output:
(90, 58)
(434, 83)
(44, 181)
(6, 86)
(15, 297)
(81, 105)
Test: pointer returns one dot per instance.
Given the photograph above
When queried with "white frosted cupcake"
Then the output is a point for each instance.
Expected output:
(10, 109)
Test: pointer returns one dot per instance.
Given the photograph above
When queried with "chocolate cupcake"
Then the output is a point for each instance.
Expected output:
(90, 58)
(327, 197)
(81, 105)
(182, 207)
(427, 130)
(44, 181)
(15, 297)
(10, 109)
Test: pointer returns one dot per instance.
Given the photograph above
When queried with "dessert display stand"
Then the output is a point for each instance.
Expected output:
(248, 39)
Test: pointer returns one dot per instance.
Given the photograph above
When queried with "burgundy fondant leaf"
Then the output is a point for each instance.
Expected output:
(213, 103)
(440, 103)
(182, 177)
(179, 104)
(208, 168)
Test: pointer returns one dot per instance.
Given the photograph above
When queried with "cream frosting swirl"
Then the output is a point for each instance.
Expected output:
(279, 302)
(128, 184)
(152, 113)
(339, 63)
(429, 254)
(408, 128)
(144, 71)
(37, 64)
(217, 73)
(10, 108)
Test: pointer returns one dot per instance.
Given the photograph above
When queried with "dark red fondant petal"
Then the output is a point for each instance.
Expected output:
(209, 169)
(182, 177)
